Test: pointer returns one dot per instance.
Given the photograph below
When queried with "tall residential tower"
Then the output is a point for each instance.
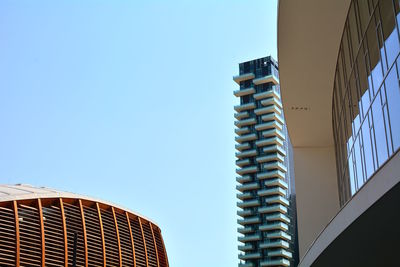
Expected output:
(265, 198)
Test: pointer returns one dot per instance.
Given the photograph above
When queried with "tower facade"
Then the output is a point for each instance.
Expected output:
(266, 197)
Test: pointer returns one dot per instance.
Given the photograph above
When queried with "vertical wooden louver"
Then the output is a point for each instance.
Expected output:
(93, 233)
(162, 258)
(150, 246)
(125, 239)
(7, 237)
(30, 236)
(74, 227)
(54, 236)
(140, 252)
(110, 236)
(48, 232)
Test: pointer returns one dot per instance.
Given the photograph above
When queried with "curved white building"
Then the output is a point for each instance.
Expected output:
(339, 67)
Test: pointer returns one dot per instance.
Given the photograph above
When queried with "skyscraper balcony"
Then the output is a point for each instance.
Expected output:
(273, 132)
(243, 77)
(280, 252)
(277, 199)
(242, 162)
(267, 109)
(269, 93)
(246, 170)
(279, 234)
(244, 179)
(242, 146)
(268, 125)
(244, 107)
(274, 226)
(270, 157)
(246, 122)
(243, 92)
(242, 131)
(273, 208)
(278, 217)
(273, 148)
(248, 203)
(249, 220)
(271, 101)
(247, 137)
(276, 182)
(246, 256)
(266, 79)
(275, 165)
(247, 238)
(279, 262)
(248, 186)
(273, 140)
(243, 196)
(275, 244)
(273, 117)
(241, 115)
(245, 230)
(271, 174)
(246, 153)
(272, 191)
(245, 247)
(244, 213)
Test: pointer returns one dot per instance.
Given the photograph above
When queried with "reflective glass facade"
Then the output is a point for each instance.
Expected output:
(366, 96)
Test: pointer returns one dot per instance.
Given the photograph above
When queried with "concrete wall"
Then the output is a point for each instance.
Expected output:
(316, 190)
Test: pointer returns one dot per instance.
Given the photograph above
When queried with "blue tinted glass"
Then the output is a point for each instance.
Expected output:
(377, 76)
(392, 47)
(393, 98)
(351, 174)
(358, 162)
(379, 126)
(369, 160)
(390, 36)
(365, 99)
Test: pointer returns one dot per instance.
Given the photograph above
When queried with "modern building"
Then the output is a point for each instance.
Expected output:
(44, 227)
(340, 68)
(266, 190)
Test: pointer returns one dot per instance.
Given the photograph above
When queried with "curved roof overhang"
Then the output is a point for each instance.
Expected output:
(309, 33)
(26, 192)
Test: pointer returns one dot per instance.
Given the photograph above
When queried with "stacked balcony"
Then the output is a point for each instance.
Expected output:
(262, 189)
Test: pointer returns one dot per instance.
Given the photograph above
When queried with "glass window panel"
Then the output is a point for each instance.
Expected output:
(369, 160)
(386, 117)
(354, 98)
(379, 126)
(390, 35)
(397, 12)
(381, 46)
(358, 162)
(393, 98)
(353, 25)
(340, 78)
(362, 80)
(374, 57)
(343, 139)
(363, 14)
(351, 174)
(346, 185)
(346, 53)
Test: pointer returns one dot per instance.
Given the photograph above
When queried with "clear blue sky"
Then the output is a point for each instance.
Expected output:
(131, 101)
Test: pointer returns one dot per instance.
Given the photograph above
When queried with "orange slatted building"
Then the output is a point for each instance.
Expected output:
(45, 227)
